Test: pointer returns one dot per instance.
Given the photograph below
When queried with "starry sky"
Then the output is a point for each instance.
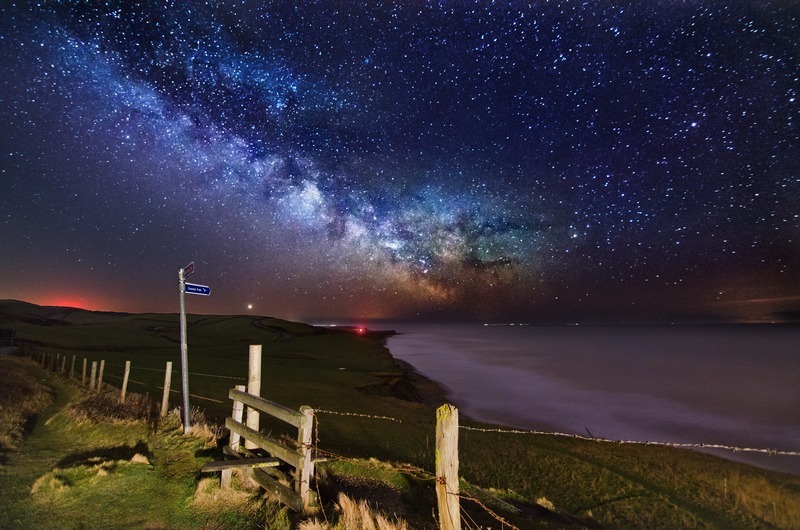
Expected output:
(501, 161)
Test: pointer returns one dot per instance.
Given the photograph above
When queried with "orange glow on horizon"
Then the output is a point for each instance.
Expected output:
(68, 300)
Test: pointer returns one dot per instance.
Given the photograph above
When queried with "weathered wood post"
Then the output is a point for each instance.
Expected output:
(253, 388)
(167, 382)
(100, 375)
(83, 377)
(72, 368)
(125, 382)
(94, 375)
(447, 489)
(306, 469)
(238, 412)
(63, 365)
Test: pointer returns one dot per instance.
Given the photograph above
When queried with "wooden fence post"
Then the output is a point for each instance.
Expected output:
(253, 388)
(238, 412)
(94, 375)
(167, 382)
(72, 368)
(83, 377)
(125, 382)
(100, 375)
(447, 489)
(306, 469)
(63, 365)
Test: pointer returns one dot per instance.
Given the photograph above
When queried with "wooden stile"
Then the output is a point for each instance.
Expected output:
(299, 499)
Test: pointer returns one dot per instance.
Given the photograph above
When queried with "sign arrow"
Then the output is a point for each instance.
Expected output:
(193, 288)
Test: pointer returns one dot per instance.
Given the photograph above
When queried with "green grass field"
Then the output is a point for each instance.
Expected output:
(582, 482)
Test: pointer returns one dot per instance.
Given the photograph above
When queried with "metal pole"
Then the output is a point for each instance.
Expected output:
(184, 355)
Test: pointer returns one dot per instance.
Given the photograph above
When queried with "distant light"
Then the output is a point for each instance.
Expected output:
(249, 306)
(360, 331)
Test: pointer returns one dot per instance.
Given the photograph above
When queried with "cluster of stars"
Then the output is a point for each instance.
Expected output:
(441, 155)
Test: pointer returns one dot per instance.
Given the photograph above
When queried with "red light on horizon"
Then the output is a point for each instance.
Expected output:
(69, 301)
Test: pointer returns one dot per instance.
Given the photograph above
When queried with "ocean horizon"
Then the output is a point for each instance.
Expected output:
(736, 385)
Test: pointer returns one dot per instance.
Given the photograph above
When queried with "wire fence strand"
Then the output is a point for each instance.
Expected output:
(680, 445)
(358, 415)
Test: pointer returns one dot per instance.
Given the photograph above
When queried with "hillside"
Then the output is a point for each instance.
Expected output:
(376, 423)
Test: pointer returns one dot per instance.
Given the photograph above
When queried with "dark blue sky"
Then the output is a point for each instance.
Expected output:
(578, 160)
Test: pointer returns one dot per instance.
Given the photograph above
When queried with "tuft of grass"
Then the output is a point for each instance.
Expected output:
(230, 508)
(105, 407)
(355, 515)
(175, 454)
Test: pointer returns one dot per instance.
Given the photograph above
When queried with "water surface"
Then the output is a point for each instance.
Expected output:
(736, 385)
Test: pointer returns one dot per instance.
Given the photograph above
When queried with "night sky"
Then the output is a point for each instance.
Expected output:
(573, 161)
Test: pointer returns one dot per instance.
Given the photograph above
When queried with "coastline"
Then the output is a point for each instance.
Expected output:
(428, 391)
(665, 384)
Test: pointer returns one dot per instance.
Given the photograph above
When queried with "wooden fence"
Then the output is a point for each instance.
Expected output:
(58, 363)
(263, 457)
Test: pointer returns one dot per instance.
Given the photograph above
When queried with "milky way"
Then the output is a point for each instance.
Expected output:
(404, 159)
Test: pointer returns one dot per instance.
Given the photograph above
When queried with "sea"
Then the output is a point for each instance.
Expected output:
(735, 385)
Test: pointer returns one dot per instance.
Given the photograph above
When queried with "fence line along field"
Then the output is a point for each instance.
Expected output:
(356, 387)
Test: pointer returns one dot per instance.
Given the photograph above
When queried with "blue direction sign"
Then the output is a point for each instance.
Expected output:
(193, 288)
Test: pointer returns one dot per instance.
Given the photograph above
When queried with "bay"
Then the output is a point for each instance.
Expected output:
(735, 385)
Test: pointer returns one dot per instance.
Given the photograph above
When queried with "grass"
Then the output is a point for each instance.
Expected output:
(77, 469)
(22, 397)
(550, 482)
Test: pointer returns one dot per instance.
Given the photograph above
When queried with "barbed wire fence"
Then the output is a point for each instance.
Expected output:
(679, 445)
(57, 363)
(424, 474)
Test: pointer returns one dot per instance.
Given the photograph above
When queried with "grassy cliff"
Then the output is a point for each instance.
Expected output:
(384, 454)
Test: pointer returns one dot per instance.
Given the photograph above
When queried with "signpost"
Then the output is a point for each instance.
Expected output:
(190, 288)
